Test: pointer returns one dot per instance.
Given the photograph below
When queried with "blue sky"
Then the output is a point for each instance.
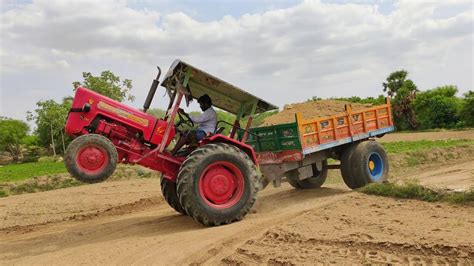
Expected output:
(282, 51)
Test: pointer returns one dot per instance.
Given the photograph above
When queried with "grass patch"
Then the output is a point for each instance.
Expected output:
(413, 190)
(42, 184)
(16, 172)
(407, 146)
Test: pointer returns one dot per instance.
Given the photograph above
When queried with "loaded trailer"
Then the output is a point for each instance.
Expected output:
(216, 180)
(299, 151)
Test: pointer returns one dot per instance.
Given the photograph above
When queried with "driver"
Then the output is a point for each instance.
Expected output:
(206, 123)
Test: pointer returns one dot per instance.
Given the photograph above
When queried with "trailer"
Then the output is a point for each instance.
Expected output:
(298, 152)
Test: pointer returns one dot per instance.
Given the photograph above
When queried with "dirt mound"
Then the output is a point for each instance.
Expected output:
(309, 110)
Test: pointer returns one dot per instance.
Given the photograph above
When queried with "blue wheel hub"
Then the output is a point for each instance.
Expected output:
(375, 166)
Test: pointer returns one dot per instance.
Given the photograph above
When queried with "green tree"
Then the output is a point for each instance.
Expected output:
(50, 119)
(467, 109)
(107, 84)
(437, 108)
(12, 132)
(403, 92)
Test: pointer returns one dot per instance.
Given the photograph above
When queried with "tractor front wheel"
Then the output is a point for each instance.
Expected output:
(217, 184)
(91, 158)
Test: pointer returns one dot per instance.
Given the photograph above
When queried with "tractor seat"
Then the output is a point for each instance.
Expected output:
(218, 131)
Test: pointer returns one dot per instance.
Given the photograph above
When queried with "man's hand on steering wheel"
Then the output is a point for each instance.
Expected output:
(184, 118)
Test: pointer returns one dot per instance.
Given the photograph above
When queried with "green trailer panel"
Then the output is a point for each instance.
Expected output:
(275, 138)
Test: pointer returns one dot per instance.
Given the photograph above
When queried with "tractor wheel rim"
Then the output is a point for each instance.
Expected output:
(92, 159)
(375, 166)
(221, 185)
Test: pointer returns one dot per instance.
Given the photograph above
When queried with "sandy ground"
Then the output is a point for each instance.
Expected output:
(128, 222)
(459, 177)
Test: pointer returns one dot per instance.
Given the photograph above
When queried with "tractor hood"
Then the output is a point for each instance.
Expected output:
(224, 95)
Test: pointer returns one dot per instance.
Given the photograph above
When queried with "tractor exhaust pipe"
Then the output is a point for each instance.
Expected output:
(151, 93)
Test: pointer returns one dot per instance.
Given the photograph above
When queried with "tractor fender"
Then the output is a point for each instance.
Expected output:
(244, 147)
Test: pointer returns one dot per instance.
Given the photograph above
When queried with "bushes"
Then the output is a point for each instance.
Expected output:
(466, 113)
(438, 108)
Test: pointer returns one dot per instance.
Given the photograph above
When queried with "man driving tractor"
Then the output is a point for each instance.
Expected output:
(206, 123)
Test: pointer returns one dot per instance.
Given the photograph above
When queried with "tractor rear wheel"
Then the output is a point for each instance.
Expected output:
(168, 189)
(217, 184)
(91, 158)
(316, 181)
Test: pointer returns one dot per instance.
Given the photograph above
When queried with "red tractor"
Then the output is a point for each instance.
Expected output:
(215, 181)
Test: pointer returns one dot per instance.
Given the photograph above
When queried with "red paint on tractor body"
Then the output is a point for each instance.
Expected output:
(135, 134)
(150, 127)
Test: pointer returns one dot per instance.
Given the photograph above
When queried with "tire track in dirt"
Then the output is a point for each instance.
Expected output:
(139, 205)
(82, 202)
(366, 229)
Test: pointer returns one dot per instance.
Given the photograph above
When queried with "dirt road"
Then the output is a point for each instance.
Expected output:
(127, 222)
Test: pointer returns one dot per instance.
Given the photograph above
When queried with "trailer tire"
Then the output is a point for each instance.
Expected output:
(168, 190)
(316, 181)
(346, 166)
(217, 184)
(91, 158)
(370, 162)
(363, 163)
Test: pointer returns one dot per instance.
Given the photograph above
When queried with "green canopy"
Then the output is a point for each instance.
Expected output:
(224, 95)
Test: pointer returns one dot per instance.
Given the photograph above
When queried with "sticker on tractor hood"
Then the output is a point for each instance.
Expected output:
(122, 113)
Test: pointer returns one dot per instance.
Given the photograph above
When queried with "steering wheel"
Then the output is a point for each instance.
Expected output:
(186, 120)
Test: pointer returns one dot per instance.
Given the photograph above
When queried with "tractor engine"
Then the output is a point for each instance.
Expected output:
(127, 140)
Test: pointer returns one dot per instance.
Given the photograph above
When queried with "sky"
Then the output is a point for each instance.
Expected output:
(281, 51)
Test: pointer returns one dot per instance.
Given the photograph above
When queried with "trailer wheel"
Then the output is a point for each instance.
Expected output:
(316, 181)
(168, 189)
(346, 167)
(363, 163)
(91, 158)
(217, 184)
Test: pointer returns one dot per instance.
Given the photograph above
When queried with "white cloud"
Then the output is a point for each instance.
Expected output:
(283, 55)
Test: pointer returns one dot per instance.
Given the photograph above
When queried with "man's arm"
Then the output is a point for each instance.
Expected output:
(204, 117)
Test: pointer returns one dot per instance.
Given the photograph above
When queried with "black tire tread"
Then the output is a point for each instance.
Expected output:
(346, 166)
(71, 151)
(359, 164)
(353, 163)
(311, 182)
(185, 183)
(168, 190)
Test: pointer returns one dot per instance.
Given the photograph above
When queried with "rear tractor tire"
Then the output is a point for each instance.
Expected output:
(217, 184)
(91, 158)
(363, 163)
(316, 181)
(168, 189)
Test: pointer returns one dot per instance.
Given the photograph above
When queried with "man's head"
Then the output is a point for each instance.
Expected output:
(205, 102)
